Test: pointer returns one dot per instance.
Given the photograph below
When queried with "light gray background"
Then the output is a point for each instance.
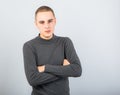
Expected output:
(93, 26)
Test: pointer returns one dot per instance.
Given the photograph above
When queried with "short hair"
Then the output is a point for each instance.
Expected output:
(44, 9)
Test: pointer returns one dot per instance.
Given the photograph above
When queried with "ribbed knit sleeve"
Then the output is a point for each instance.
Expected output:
(34, 77)
(72, 70)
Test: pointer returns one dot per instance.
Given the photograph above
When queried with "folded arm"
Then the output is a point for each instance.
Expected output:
(73, 67)
(42, 68)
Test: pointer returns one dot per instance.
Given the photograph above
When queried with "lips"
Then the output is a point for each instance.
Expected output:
(47, 31)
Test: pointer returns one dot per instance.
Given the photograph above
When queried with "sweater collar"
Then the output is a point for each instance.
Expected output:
(46, 41)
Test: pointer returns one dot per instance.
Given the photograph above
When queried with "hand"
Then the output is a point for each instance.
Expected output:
(66, 62)
(41, 68)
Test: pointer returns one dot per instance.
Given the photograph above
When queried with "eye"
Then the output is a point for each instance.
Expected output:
(41, 22)
(51, 20)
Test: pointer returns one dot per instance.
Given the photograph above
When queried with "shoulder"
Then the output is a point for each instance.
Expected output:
(63, 39)
(30, 42)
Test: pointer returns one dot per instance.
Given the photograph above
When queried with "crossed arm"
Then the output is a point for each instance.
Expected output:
(38, 75)
(71, 65)
(42, 68)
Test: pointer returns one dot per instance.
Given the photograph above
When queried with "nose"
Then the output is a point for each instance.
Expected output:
(47, 25)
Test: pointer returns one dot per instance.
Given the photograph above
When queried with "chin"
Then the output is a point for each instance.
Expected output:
(48, 36)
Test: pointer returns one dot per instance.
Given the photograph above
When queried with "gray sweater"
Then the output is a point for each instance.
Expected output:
(51, 53)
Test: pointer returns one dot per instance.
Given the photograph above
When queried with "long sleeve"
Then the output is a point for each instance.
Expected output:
(72, 70)
(34, 77)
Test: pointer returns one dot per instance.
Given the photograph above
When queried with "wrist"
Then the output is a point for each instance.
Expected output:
(41, 68)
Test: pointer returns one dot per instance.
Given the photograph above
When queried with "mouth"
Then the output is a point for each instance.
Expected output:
(47, 31)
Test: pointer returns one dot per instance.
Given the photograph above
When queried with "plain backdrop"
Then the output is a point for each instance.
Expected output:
(93, 26)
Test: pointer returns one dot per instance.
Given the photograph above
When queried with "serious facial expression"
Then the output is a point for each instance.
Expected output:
(45, 22)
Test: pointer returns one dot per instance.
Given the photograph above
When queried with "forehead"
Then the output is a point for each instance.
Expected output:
(44, 15)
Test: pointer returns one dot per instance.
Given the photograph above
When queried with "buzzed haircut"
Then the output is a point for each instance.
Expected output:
(44, 9)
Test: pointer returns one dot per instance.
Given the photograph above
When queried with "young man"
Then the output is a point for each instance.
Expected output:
(49, 59)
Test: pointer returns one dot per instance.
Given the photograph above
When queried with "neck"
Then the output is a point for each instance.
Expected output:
(45, 37)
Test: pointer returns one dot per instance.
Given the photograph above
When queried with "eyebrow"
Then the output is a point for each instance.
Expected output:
(47, 20)
(50, 19)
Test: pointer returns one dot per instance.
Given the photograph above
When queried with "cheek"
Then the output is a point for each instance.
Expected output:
(52, 25)
(40, 27)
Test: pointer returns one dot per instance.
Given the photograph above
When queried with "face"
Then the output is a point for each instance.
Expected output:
(45, 22)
